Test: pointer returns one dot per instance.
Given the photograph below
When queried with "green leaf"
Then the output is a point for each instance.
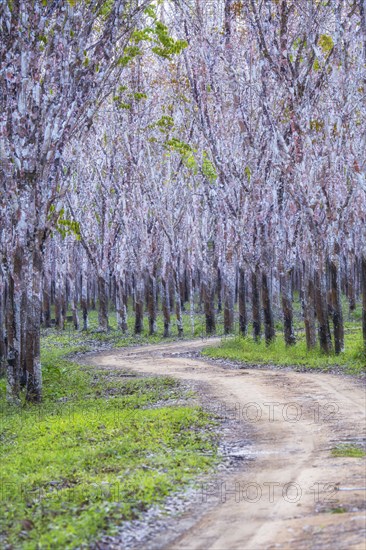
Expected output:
(326, 43)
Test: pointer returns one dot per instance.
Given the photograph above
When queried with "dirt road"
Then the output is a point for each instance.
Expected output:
(295, 493)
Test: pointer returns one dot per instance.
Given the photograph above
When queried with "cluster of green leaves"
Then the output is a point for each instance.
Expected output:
(65, 226)
(124, 98)
(164, 45)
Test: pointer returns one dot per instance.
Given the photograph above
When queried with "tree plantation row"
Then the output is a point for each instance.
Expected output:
(180, 152)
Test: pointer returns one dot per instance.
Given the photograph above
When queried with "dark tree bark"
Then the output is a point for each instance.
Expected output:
(139, 308)
(243, 315)
(337, 313)
(152, 307)
(46, 305)
(84, 301)
(209, 303)
(269, 330)
(287, 310)
(219, 291)
(321, 307)
(309, 312)
(229, 298)
(121, 307)
(178, 306)
(256, 308)
(363, 269)
(3, 347)
(103, 304)
(166, 307)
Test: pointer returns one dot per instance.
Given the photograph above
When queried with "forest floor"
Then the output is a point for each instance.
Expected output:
(298, 439)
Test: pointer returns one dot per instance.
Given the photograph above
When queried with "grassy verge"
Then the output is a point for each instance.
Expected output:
(352, 451)
(102, 448)
(351, 361)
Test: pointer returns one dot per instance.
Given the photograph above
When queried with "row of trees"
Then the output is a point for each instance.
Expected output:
(227, 161)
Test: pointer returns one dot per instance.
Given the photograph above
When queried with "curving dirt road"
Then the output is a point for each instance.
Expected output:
(294, 493)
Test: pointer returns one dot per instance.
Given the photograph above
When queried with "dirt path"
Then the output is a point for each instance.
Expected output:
(295, 493)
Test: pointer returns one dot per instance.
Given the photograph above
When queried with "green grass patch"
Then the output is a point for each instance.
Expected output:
(348, 450)
(245, 350)
(101, 449)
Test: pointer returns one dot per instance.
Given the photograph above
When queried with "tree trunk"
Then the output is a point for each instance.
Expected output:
(337, 313)
(166, 307)
(13, 329)
(269, 330)
(256, 308)
(84, 301)
(33, 330)
(287, 309)
(103, 304)
(229, 296)
(178, 307)
(243, 316)
(209, 303)
(121, 307)
(219, 291)
(363, 269)
(3, 347)
(321, 307)
(152, 309)
(309, 312)
(59, 306)
(73, 290)
(46, 305)
(351, 291)
(190, 290)
(139, 308)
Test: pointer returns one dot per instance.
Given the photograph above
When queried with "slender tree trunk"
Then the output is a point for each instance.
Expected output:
(166, 307)
(190, 290)
(59, 302)
(219, 291)
(74, 303)
(351, 291)
(84, 301)
(243, 315)
(103, 304)
(46, 306)
(3, 347)
(13, 329)
(321, 306)
(121, 307)
(229, 296)
(363, 269)
(309, 312)
(287, 309)
(152, 308)
(256, 308)
(33, 330)
(269, 330)
(178, 307)
(139, 308)
(336, 308)
(209, 303)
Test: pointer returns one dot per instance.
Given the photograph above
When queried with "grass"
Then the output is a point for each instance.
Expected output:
(352, 451)
(351, 361)
(101, 448)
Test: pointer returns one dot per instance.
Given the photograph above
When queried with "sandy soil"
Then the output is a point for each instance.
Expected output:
(294, 494)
